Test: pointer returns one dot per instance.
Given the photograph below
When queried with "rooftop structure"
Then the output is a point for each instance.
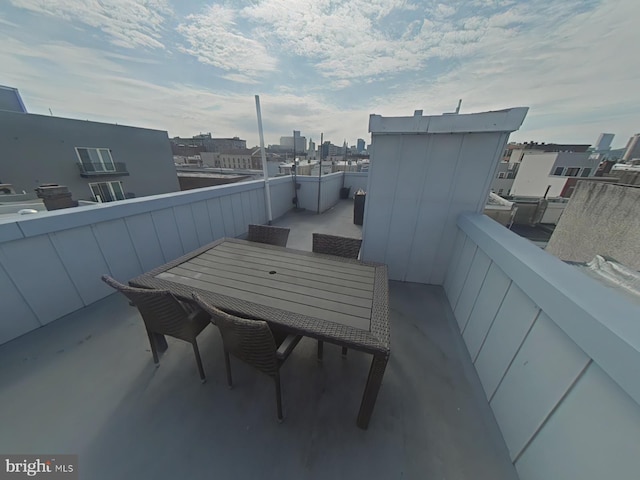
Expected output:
(505, 361)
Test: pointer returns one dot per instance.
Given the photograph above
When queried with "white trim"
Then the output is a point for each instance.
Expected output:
(508, 120)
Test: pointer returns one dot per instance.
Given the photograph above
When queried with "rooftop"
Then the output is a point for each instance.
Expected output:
(503, 357)
(87, 384)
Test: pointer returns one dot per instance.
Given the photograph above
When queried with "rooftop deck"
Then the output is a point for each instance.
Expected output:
(87, 384)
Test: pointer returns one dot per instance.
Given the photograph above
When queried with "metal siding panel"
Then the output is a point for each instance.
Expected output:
(475, 279)
(228, 224)
(460, 276)
(240, 226)
(186, 227)
(9, 232)
(17, 317)
(202, 222)
(378, 208)
(40, 276)
(117, 249)
(214, 208)
(490, 297)
(453, 262)
(164, 222)
(145, 241)
(259, 206)
(514, 319)
(432, 218)
(477, 163)
(82, 258)
(594, 434)
(466, 191)
(246, 209)
(544, 369)
(403, 222)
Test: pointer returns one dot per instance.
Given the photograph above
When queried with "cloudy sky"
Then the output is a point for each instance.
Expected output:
(190, 66)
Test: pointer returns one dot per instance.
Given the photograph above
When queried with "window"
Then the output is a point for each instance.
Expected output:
(96, 159)
(572, 171)
(501, 174)
(585, 172)
(107, 191)
(500, 191)
(558, 171)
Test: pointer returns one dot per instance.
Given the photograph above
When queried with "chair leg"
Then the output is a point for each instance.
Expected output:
(320, 350)
(227, 363)
(276, 379)
(196, 352)
(154, 351)
(344, 351)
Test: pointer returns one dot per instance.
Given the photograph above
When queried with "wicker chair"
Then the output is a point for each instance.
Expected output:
(163, 314)
(341, 247)
(268, 234)
(334, 245)
(253, 342)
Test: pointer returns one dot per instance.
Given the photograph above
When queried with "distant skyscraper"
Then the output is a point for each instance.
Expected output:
(312, 145)
(360, 145)
(633, 148)
(299, 142)
(604, 142)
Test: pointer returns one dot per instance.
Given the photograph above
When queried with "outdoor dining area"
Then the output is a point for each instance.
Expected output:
(88, 383)
(264, 298)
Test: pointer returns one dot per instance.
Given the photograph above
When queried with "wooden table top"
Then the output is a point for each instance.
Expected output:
(330, 298)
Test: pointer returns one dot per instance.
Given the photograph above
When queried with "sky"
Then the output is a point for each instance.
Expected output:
(190, 66)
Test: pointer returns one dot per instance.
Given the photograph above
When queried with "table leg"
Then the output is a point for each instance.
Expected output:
(160, 341)
(376, 372)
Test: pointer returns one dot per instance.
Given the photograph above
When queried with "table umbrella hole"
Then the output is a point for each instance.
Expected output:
(272, 272)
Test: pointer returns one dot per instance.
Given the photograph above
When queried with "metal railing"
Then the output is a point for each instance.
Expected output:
(99, 169)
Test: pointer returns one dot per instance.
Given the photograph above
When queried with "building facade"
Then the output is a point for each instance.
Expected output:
(96, 161)
(244, 158)
(545, 174)
(205, 142)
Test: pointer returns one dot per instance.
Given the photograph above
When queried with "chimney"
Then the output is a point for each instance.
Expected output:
(55, 197)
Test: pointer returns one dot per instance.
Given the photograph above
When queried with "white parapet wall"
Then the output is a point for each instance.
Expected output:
(51, 262)
(556, 351)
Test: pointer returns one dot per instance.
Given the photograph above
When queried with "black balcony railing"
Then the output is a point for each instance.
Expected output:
(101, 169)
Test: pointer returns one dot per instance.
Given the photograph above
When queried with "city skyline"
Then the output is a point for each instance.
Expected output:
(194, 66)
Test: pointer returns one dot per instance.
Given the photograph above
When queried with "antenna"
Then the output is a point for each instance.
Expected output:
(50, 112)
(458, 107)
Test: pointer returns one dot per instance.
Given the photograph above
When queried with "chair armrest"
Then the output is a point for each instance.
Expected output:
(287, 346)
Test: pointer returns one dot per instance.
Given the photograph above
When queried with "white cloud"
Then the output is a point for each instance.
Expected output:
(215, 40)
(575, 70)
(563, 69)
(129, 23)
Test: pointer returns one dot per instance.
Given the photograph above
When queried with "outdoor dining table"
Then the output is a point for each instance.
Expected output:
(337, 300)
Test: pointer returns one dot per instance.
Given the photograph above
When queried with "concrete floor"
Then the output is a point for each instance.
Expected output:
(86, 384)
(338, 220)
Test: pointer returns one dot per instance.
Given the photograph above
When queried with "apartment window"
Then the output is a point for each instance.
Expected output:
(572, 171)
(96, 159)
(558, 171)
(501, 175)
(107, 191)
(585, 172)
